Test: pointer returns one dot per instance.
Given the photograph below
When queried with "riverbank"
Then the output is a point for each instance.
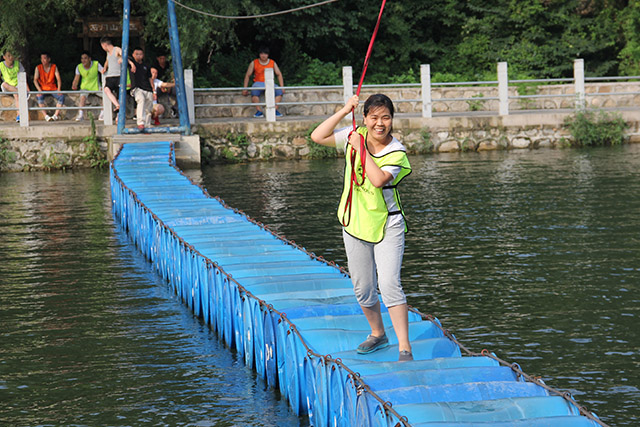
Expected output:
(64, 145)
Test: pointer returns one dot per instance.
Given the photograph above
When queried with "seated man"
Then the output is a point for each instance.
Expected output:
(257, 67)
(161, 70)
(158, 108)
(89, 71)
(47, 78)
(9, 69)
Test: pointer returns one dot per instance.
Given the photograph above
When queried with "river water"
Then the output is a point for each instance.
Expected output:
(531, 254)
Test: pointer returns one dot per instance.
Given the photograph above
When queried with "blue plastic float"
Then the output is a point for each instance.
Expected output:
(293, 318)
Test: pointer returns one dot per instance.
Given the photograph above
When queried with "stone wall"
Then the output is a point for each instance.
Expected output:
(251, 141)
(27, 154)
(407, 100)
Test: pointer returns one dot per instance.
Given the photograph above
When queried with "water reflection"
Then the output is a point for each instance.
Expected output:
(90, 334)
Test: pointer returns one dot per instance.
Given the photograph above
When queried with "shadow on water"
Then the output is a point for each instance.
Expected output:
(531, 254)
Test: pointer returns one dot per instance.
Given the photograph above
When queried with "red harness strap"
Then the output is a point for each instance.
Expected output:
(346, 215)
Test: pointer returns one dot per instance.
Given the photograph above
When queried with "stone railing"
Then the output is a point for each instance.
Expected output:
(444, 99)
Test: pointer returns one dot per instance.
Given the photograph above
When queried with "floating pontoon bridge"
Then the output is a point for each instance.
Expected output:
(293, 317)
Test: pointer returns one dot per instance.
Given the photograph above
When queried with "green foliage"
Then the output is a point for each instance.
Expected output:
(526, 89)
(317, 151)
(595, 129)
(315, 72)
(461, 40)
(56, 161)
(6, 154)
(478, 103)
(228, 156)
(629, 55)
(427, 142)
(94, 155)
(238, 139)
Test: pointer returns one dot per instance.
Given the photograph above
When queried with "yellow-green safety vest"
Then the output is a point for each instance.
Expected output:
(369, 210)
(89, 77)
(10, 75)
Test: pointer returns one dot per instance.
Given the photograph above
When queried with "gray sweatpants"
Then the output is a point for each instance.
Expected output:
(374, 265)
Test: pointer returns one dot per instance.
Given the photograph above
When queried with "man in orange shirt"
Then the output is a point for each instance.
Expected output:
(257, 67)
(47, 78)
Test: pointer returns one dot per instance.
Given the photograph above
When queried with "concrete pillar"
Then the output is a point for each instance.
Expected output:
(107, 114)
(578, 76)
(269, 95)
(503, 88)
(188, 88)
(425, 82)
(23, 106)
(347, 85)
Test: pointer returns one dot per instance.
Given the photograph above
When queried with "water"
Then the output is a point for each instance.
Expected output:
(91, 336)
(530, 254)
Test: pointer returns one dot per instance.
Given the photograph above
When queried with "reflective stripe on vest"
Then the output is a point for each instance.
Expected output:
(369, 210)
(10, 75)
(89, 77)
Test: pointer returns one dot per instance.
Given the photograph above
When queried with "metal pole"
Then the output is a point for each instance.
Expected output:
(122, 94)
(176, 57)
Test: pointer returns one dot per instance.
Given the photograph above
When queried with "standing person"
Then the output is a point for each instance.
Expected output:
(143, 89)
(372, 216)
(88, 75)
(9, 69)
(47, 78)
(257, 67)
(111, 70)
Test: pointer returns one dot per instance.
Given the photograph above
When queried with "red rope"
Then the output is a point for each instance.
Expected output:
(354, 175)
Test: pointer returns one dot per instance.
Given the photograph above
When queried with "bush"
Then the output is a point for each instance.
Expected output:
(590, 129)
(317, 151)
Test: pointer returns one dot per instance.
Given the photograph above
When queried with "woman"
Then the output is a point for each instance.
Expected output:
(372, 217)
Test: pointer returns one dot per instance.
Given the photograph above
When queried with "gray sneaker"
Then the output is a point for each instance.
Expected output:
(405, 356)
(372, 344)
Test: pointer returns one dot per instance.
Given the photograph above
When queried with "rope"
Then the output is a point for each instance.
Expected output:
(346, 215)
(264, 15)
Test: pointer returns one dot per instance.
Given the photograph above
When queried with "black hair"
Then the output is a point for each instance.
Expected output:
(44, 52)
(86, 52)
(137, 48)
(107, 40)
(378, 100)
(263, 49)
